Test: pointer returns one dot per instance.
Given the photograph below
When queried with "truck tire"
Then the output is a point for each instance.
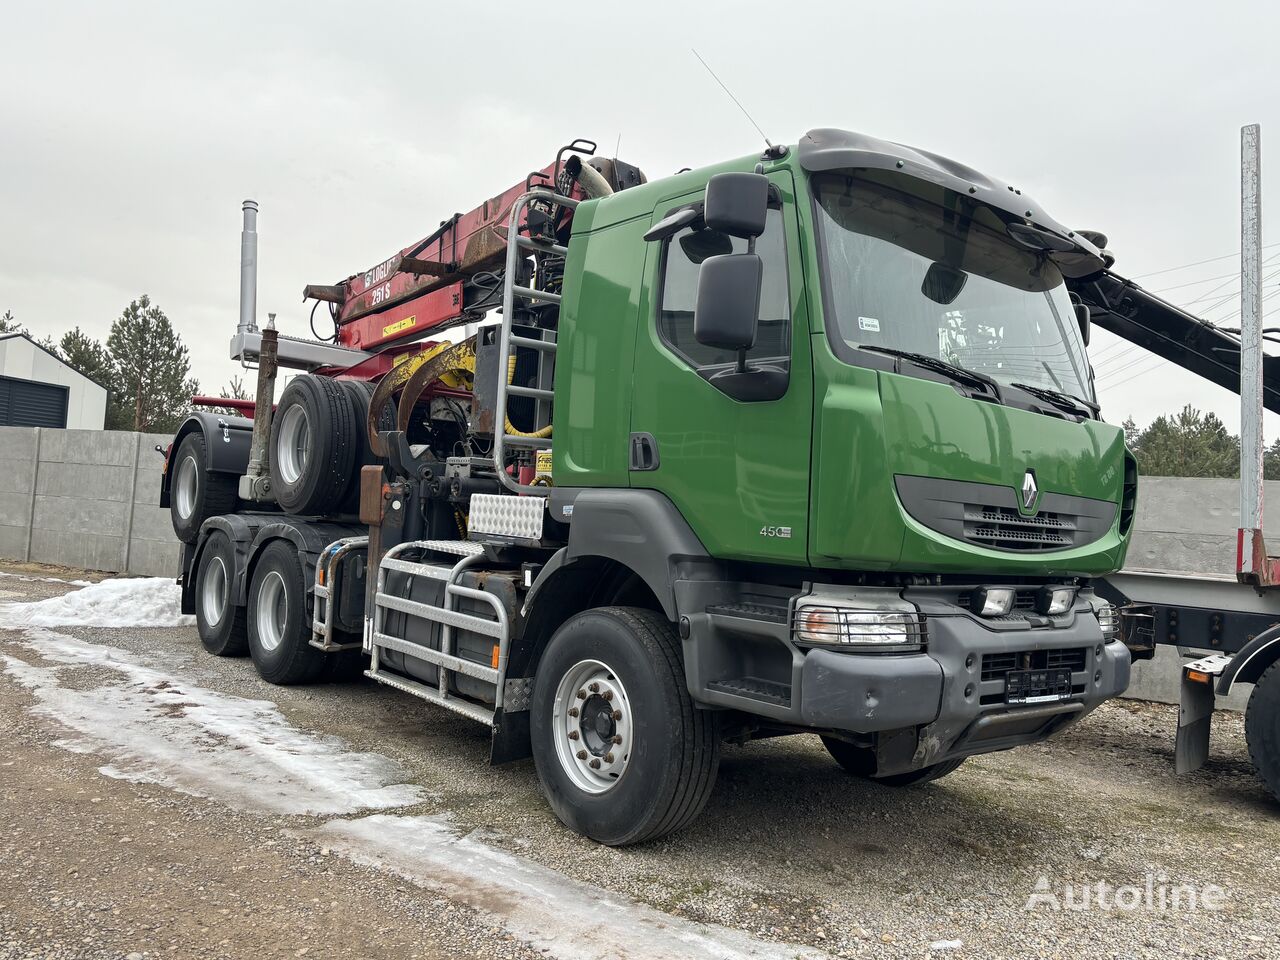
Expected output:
(861, 762)
(313, 445)
(195, 494)
(359, 393)
(220, 623)
(279, 627)
(1262, 728)
(622, 753)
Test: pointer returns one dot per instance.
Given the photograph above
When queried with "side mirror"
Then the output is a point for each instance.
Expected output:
(727, 308)
(737, 204)
(1082, 318)
(942, 284)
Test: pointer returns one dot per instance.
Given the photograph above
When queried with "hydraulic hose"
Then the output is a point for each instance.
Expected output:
(511, 430)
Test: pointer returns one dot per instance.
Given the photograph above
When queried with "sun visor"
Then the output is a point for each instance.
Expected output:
(830, 149)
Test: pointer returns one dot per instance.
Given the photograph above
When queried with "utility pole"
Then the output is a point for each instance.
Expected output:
(1250, 340)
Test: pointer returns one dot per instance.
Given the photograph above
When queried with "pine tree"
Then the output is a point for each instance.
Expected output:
(234, 390)
(1188, 444)
(86, 355)
(9, 325)
(149, 371)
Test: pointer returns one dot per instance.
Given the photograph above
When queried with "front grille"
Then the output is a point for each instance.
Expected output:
(987, 515)
(996, 665)
(1005, 529)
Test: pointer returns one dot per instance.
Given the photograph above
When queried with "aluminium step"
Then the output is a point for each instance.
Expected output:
(432, 695)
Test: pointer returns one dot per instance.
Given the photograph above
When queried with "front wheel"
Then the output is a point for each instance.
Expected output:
(622, 753)
(1262, 728)
(861, 762)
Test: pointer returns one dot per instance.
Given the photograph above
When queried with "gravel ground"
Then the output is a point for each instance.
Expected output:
(789, 851)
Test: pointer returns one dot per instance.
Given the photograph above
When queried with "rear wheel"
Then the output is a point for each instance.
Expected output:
(313, 445)
(1262, 728)
(622, 753)
(279, 634)
(861, 762)
(195, 494)
(220, 623)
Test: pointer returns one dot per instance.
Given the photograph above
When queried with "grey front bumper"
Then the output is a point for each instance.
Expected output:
(944, 691)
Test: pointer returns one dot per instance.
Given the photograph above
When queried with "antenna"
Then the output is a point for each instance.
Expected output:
(767, 141)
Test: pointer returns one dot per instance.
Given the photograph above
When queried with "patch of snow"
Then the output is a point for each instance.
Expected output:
(939, 945)
(565, 918)
(156, 728)
(119, 602)
(21, 576)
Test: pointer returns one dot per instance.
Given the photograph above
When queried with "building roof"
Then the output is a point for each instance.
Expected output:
(23, 335)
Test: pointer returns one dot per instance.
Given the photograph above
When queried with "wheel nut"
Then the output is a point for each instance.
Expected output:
(607, 695)
(617, 714)
(616, 738)
(582, 754)
(582, 694)
(593, 687)
(573, 711)
(573, 734)
(595, 764)
(608, 758)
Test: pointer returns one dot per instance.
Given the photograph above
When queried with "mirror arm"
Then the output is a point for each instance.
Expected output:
(742, 360)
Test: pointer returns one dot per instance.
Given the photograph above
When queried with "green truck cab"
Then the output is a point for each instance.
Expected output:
(885, 529)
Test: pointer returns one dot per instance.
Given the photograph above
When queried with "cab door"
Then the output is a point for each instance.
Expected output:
(736, 466)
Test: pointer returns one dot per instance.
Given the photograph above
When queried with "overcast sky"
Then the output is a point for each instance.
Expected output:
(132, 131)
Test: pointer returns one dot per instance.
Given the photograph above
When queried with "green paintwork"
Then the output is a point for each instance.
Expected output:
(822, 458)
(732, 468)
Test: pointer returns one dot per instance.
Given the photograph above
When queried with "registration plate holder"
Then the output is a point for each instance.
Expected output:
(1037, 686)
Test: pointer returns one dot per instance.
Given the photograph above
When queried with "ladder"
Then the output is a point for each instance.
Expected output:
(509, 341)
(450, 619)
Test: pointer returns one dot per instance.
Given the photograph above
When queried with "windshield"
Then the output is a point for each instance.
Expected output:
(915, 267)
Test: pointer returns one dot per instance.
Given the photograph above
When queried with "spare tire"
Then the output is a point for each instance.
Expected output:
(195, 493)
(313, 445)
(359, 393)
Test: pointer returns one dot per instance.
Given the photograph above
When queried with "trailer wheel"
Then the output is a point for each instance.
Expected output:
(1262, 728)
(195, 494)
(313, 445)
(622, 753)
(861, 762)
(220, 623)
(279, 632)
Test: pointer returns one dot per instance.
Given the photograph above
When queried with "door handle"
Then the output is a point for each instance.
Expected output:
(644, 452)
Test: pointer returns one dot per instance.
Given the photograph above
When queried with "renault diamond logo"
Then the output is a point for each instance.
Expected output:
(1029, 490)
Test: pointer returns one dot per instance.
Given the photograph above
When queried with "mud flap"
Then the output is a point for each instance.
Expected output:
(1195, 712)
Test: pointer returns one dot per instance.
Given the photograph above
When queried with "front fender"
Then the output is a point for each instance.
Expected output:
(1248, 665)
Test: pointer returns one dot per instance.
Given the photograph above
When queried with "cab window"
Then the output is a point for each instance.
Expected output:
(682, 255)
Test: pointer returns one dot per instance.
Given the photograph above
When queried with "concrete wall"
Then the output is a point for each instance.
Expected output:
(85, 498)
(86, 401)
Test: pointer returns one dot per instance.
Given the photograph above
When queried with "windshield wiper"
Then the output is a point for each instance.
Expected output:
(1063, 401)
(961, 374)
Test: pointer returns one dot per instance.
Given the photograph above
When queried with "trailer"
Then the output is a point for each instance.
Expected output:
(801, 442)
(1226, 624)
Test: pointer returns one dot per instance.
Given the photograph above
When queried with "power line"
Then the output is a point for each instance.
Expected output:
(1185, 266)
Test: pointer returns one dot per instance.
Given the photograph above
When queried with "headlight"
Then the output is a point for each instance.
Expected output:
(1055, 600)
(842, 626)
(1108, 620)
(992, 601)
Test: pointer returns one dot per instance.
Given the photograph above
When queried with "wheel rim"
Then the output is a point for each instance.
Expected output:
(213, 593)
(184, 487)
(592, 726)
(293, 449)
(272, 610)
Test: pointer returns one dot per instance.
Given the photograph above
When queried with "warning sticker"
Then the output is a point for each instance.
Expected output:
(405, 324)
(869, 323)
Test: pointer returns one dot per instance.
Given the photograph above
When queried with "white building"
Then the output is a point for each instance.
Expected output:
(39, 390)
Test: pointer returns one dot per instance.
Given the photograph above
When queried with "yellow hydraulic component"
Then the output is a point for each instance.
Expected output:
(511, 430)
